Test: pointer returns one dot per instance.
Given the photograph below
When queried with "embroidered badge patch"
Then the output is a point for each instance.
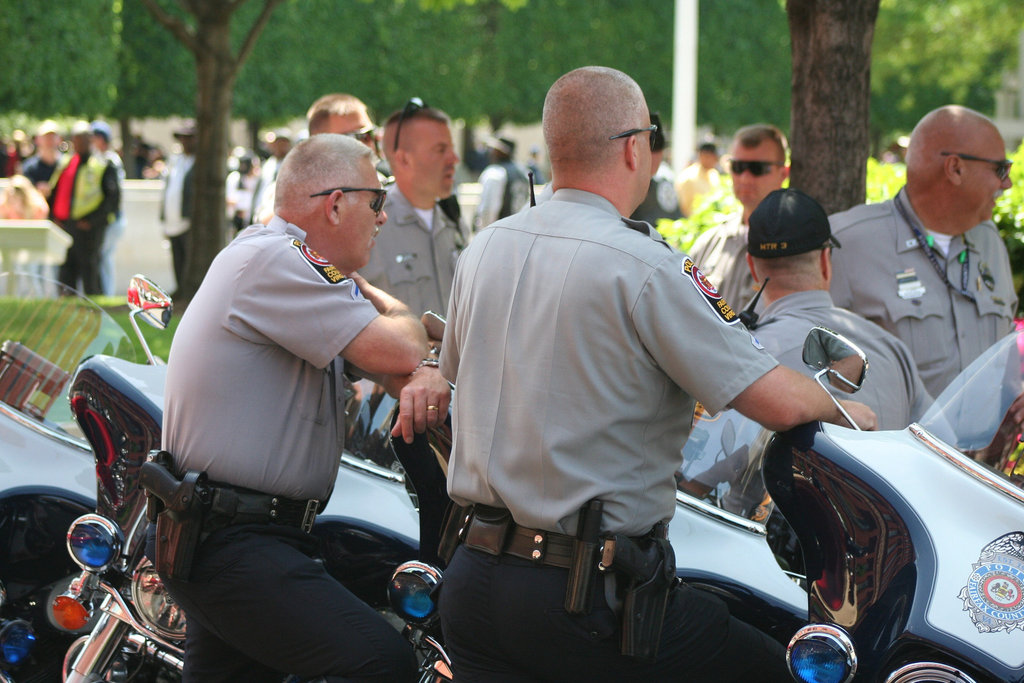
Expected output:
(994, 594)
(709, 293)
(318, 263)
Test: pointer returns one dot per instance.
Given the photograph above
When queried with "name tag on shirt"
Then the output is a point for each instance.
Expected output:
(908, 286)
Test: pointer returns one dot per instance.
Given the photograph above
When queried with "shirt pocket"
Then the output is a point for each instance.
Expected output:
(922, 325)
(408, 269)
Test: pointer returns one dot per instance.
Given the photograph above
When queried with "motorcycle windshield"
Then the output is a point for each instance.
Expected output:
(969, 412)
(722, 464)
(46, 330)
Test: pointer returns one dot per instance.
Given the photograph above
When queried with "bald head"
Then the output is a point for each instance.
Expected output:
(316, 164)
(948, 129)
(586, 106)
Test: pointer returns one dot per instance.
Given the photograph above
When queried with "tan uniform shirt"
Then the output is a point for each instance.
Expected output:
(253, 381)
(892, 387)
(578, 343)
(721, 253)
(411, 263)
(882, 273)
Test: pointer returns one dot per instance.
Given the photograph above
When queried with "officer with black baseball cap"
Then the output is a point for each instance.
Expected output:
(790, 250)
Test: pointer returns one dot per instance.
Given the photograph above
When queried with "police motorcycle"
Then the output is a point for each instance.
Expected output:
(46, 463)
(131, 628)
(913, 540)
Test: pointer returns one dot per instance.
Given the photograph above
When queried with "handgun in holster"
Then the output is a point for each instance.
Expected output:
(649, 567)
(177, 506)
(583, 564)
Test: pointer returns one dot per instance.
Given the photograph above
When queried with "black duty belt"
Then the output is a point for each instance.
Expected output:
(229, 505)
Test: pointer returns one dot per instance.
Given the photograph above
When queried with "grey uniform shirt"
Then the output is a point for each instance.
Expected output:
(253, 380)
(884, 275)
(411, 263)
(892, 386)
(721, 253)
(578, 344)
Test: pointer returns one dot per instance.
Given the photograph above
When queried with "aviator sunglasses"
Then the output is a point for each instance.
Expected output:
(757, 168)
(411, 107)
(1000, 166)
(376, 205)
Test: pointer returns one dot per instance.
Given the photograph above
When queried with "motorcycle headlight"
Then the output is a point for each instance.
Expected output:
(821, 653)
(16, 641)
(156, 607)
(94, 542)
(411, 591)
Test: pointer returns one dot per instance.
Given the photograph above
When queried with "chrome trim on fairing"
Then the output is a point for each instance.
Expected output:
(371, 468)
(965, 464)
(44, 429)
(721, 515)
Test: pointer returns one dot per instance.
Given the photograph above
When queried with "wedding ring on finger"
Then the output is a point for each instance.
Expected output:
(431, 407)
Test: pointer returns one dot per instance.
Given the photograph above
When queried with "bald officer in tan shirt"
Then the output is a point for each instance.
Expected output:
(578, 344)
(929, 265)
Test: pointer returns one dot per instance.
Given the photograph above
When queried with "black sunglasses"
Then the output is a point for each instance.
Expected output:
(757, 168)
(364, 136)
(1001, 166)
(652, 129)
(411, 107)
(377, 204)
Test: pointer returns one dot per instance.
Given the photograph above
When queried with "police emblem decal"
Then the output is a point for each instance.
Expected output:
(709, 293)
(318, 263)
(994, 594)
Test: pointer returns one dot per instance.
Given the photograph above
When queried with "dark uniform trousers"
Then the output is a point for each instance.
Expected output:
(83, 258)
(260, 607)
(503, 621)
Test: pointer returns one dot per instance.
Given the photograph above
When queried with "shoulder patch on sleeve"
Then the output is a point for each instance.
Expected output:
(318, 263)
(709, 293)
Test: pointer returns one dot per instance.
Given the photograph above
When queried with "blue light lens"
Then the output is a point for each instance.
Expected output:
(411, 597)
(16, 641)
(816, 661)
(93, 545)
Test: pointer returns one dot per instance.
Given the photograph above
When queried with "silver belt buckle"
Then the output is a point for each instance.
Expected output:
(312, 505)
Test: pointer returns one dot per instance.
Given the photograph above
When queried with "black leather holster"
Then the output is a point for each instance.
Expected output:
(178, 508)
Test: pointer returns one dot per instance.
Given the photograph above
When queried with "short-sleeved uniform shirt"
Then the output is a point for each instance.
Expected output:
(411, 263)
(578, 343)
(253, 392)
(721, 253)
(892, 387)
(883, 274)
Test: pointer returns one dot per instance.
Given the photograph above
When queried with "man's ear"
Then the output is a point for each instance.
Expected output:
(953, 168)
(826, 265)
(750, 264)
(631, 153)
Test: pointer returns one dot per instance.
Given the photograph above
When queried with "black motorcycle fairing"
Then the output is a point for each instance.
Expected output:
(870, 559)
(123, 425)
(361, 556)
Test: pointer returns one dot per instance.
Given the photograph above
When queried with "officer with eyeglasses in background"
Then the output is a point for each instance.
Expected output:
(339, 113)
(757, 165)
(929, 265)
(254, 400)
(414, 259)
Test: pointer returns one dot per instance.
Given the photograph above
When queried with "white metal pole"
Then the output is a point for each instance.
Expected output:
(684, 84)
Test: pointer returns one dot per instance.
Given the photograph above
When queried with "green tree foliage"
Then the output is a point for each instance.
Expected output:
(157, 75)
(927, 54)
(59, 58)
(744, 66)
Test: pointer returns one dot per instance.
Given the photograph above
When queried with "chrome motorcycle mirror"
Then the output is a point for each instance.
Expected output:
(833, 355)
(148, 301)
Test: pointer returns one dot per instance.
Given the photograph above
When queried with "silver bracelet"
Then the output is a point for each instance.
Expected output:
(430, 362)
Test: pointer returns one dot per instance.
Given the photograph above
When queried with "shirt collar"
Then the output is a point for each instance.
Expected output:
(278, 224)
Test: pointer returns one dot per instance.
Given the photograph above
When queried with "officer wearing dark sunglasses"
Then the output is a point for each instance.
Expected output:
(757, 166)
(929, 264)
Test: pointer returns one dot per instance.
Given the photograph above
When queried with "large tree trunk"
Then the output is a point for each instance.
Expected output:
(829, 128)
(215, 71)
